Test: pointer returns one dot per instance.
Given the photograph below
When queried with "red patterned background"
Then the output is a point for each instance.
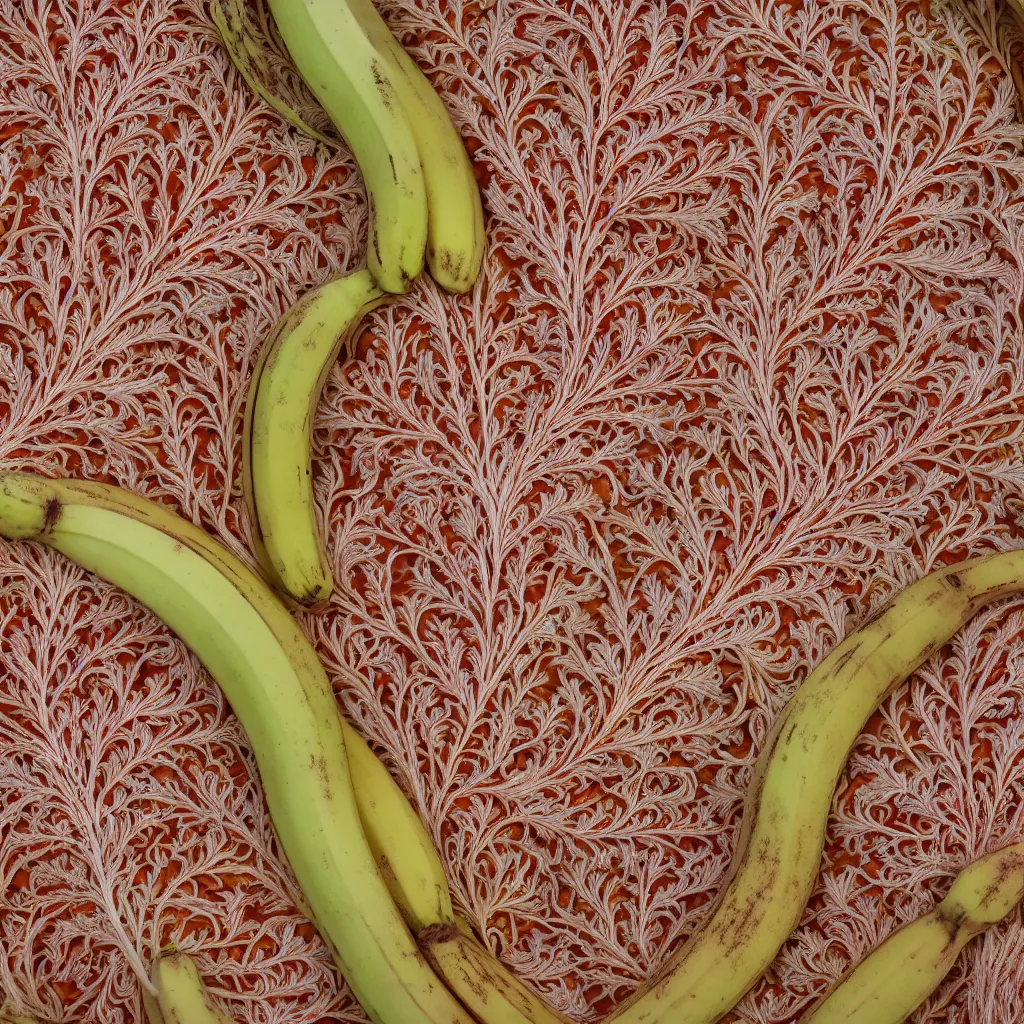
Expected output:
(747, 356)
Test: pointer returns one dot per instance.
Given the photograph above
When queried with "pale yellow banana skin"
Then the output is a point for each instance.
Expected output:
(355, 85)
(401, 845)
(455, 222)
(456, 235)
(889, 984)
(483, 984)
(276, 685)
(181, 996)
(283, 398)
(782, 836)
(10, 1017)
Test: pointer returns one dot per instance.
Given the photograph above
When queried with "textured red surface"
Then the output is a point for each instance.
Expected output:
(747, 356)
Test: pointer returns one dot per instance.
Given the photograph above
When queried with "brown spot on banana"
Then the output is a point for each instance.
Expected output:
(436, 933)
(384, 89)
(318, 766)
(844, 658)
(952, 919)
(51, 514)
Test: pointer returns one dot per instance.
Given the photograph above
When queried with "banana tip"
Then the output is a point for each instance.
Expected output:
(29, 506)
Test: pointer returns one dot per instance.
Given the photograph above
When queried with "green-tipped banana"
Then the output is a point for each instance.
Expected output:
(181, 996)
(283, 396)
(455, 221)
(910, 965)
(241, 40)
(356, 87)
(783, 832)
(483, 984)
(280, 692)
(402, 847)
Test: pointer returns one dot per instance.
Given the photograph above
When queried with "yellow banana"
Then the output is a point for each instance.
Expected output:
(8, 1016)
(398, 840)
(483, 984)
(283, 396)
(154, 1015)
(455, 220)
(181, 996)
(280, 692)
(455, 231)
(241, 40)
(782, 835)
(905, 969)
(355, 85)
(402, 847)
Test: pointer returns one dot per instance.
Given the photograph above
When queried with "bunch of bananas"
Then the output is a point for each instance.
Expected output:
(424, 200)
(374, 885)
(373, 882)
(424, 206)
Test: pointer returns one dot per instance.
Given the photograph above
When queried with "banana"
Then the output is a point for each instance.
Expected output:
(455, 226)
(275, 684)
(181, 996)
(8, 1016)
(356, 87)
(910, 965)
(283, 396)
(455, 219)
(782, 835)
(402, 847)
(483, 984)
(241, 40)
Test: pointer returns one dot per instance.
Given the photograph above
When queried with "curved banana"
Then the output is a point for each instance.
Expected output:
(241, 41)
(401, 845)
(181, 996)
(276, 685)
(283, 396)
(8, 1016)
(892, 981)
(455, 220)
(483, 984)
(356, 87)
(782, 835)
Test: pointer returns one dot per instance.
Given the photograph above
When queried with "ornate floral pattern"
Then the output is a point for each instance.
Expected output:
(747, 357)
